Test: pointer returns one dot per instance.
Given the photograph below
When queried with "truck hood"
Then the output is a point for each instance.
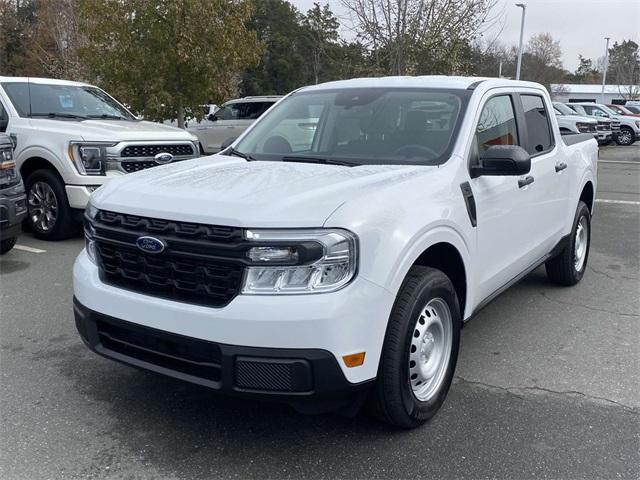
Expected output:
(112, 130)
(222, 190)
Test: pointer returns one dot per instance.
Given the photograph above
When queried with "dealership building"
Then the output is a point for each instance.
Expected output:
(616, 94)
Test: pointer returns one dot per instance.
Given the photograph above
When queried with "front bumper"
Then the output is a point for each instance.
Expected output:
(13, 209)
(348, 321)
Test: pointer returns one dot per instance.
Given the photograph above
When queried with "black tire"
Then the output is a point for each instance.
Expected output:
(7, 244)
(626, 136)
(64, 225)
(392, 399)
(562, 269)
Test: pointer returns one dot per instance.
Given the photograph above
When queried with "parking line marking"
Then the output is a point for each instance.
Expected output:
(619, 161)
(622, 202)
(24, 248)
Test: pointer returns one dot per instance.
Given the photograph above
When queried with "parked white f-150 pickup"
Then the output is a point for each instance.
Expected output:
(341, 270)
(72, 137)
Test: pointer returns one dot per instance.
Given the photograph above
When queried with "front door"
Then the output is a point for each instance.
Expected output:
(503, 228)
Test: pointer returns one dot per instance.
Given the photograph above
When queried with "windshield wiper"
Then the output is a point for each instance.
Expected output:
(324, 161)
(58, 114)
(108, 117)
(234, 152)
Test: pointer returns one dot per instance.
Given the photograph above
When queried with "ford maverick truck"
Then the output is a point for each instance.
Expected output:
(337, 267)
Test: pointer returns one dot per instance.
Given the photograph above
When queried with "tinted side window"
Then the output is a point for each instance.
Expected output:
(497, 124)
(4, 118)
(538, 126)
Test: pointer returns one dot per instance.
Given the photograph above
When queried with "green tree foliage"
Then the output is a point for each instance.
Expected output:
(17, 18)
(164, 56)
(585, 73)
(320, 27)
(624, 68)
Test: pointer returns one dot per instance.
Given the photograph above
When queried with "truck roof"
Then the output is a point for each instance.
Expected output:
(425, 81)
(50, 81)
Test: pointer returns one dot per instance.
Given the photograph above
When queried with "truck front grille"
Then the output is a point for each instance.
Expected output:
(604, 126)
(202, 264)
(152, 150)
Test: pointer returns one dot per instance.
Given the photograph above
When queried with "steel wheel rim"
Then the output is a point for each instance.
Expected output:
(43, 206)
(581, 242)
(430, 349)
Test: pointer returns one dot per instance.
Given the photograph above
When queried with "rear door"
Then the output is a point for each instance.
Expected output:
(547, 205)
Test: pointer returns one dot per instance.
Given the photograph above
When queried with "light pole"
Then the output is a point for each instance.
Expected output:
(606, 65)
(524, 9)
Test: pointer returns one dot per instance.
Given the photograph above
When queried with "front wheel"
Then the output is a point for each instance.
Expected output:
(420, 350)
(7, 244)
(50, 217)
(569, 266)
(625, 137)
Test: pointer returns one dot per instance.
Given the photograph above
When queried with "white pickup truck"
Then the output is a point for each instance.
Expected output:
(71, 138)
(327, 274)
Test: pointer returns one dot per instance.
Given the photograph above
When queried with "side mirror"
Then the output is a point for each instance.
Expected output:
(3, 124)
(502, 160)
(212, 117)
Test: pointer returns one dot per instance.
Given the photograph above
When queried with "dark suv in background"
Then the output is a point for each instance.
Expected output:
(13, 204)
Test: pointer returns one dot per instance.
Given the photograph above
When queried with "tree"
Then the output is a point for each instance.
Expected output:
(162, 56)
(546, 49)
(624, 68)
(321, 29)
(283, 63)
(17, 18)
(586, 72)
(411, 36)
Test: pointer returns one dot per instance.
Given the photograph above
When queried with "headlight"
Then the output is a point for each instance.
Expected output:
(585, 127)
(89, 232)
(299, 261)
(89, 158)
(8, 171)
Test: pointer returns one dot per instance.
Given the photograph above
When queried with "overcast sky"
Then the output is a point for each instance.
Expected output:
(580, 25)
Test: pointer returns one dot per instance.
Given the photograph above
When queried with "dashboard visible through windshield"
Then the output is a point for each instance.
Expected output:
(360, 126)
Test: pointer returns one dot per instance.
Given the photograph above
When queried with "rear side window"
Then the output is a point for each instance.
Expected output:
(538, 125)
(497, 124)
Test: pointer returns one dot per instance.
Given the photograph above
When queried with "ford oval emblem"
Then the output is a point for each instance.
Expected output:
(150, 244)
(163, 157)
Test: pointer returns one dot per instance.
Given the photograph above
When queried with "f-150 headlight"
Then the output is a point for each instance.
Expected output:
(89, 158)
(299, 261)
(585, 127)
(8, 171)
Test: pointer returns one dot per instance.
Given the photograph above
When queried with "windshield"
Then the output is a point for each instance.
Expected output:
(563, 109)
(63, 101)
(360, 127)
(608, 110)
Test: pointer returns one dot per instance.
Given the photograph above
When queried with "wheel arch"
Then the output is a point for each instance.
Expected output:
(32, 164)
(587, 195)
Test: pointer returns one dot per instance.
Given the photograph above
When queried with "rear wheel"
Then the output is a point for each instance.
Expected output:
(569, 266)
(50, 217)
(420, 350)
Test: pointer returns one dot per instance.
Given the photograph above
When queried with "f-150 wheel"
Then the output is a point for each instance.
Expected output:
(625, 137)
(569, 266)
(7, 244)
(420, 350)
(50, 216)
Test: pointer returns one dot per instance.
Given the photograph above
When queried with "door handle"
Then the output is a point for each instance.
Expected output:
(560, 166)
(523, 182)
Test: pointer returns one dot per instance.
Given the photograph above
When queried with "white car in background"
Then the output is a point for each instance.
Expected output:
(227, 123)
(570, 122)
(604, 125)
(70, 138)
(626, 130)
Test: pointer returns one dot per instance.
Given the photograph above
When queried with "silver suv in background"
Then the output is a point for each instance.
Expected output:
(227, 123)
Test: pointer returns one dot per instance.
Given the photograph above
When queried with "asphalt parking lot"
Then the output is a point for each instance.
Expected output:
(547, 385)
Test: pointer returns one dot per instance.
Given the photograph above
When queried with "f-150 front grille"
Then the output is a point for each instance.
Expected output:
(604, 126)
(152, 150)
(201, 264)
(615, 125)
